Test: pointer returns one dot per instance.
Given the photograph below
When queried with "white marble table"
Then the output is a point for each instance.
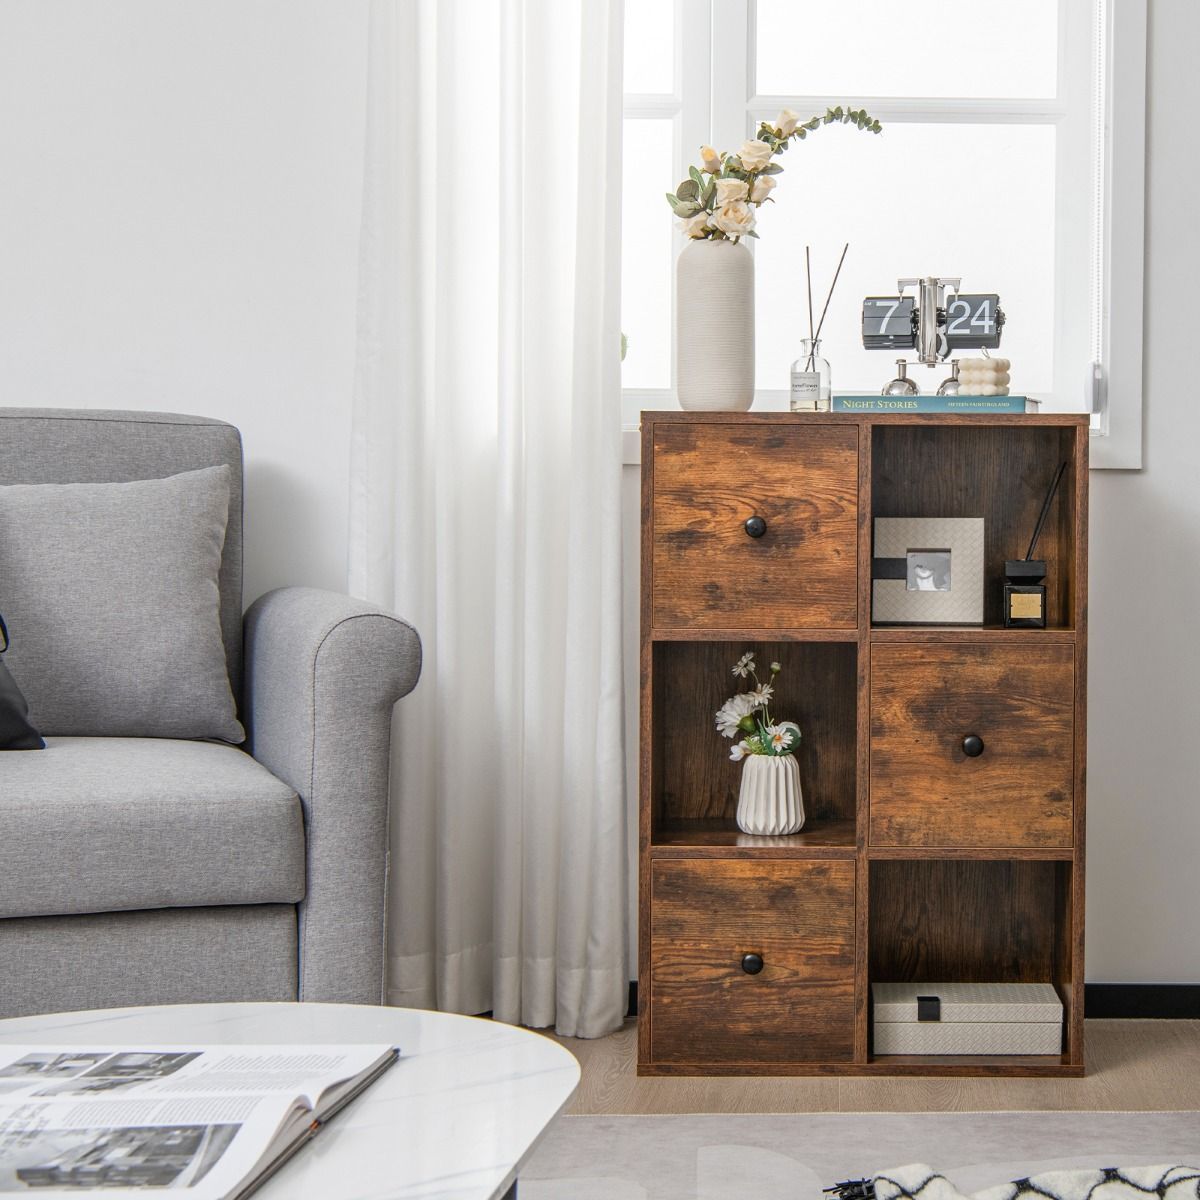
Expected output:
(454, 1119)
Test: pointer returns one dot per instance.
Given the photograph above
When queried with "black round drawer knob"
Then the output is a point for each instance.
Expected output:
(756, 526)
(752, 963)
(972, 745)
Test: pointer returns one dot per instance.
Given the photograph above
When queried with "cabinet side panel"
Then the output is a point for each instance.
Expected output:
(646, 746)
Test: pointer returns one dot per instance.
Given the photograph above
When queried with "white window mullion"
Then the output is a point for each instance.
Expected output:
(732, 79)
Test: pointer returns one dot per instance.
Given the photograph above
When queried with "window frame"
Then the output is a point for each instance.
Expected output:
(715, 100)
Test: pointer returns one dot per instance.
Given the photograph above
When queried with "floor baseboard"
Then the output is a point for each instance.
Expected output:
(1136, 1001)
(1159, 1001)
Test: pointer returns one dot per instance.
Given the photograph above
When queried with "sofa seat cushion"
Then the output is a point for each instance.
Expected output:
(111, 824)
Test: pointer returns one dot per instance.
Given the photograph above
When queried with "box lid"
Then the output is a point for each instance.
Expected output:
(966, 1002)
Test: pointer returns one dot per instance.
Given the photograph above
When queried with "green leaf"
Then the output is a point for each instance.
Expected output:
(672, 199)
(687, 208)
(689, 189)
(772, 168)
(801, 134)
(695, 175)
(706, 197)
(751, 233)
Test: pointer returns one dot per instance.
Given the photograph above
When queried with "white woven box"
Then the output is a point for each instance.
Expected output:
(973, 1018)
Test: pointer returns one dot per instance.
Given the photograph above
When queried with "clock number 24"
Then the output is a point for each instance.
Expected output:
(960, 321)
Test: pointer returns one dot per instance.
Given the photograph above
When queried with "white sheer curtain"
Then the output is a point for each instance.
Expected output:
(485, 503)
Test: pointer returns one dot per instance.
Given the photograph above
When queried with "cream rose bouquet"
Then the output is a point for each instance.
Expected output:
(719, 198)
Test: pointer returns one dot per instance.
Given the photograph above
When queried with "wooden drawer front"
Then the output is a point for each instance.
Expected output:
(926, 791)
(798, 916)
(709, 573)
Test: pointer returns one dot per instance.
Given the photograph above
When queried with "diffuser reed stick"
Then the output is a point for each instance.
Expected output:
(811, 336)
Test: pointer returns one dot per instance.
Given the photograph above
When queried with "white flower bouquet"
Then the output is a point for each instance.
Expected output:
(719, 198)
(749, 714)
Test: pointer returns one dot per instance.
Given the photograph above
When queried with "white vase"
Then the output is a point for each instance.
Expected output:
(714, 326)
(770, 802)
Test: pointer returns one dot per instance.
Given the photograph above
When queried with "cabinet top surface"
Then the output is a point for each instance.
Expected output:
(673, 417)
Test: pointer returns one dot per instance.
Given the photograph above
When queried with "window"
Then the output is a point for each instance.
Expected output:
(1003, 124)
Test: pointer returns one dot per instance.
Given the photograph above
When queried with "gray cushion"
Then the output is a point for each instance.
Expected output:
(73, 445)
(105, 824)
(111, 596)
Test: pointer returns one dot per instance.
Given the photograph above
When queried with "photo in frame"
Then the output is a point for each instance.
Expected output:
(927, 571)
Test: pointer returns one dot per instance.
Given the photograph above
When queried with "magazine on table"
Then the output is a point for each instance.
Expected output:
(210, 1121)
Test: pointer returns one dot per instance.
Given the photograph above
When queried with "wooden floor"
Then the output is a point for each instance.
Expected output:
(1142, 1065)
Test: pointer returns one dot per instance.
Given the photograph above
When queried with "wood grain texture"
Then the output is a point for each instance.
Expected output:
(649, 760)
(816, 689)
(708, 480)
(799, 916)
(971, 907)
(862, 880)
(716, 837)
(925, 791)
(962, 920)
(999, 473)
(1079, 598)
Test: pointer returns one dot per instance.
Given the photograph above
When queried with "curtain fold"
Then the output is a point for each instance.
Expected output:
(485, 502)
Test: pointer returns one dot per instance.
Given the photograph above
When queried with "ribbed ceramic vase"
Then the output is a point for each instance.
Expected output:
(714, 326)
(770, 802)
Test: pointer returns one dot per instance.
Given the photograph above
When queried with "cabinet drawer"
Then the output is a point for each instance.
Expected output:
(709, 480)
(927, 790)
(798, 917)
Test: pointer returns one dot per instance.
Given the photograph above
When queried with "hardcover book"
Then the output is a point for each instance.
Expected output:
(934, 404)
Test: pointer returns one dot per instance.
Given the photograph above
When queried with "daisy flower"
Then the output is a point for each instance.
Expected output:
(778, 739)
(744, 665)
(762, 695)
(785, 737)
(730, 714)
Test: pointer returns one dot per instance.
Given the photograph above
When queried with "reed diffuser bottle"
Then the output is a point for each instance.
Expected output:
(810, 391)
(810, 379)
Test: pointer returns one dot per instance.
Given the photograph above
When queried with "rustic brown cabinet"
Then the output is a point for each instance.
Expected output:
(918, 860)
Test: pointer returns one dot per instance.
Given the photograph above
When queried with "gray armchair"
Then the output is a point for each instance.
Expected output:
(153, 871)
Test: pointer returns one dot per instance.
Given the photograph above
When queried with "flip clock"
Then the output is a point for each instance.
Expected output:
(937, 321)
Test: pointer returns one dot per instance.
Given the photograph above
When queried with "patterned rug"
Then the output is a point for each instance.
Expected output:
(921, 1182)
(798, 1156)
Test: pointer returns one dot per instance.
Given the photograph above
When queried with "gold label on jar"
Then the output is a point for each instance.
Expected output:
(1025, 604)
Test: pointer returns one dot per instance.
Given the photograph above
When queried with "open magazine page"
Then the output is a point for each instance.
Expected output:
(47, 1072)
(125, 1120)
(123, 1147)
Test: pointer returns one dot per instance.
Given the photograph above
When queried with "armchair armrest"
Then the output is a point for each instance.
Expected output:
(322, 674)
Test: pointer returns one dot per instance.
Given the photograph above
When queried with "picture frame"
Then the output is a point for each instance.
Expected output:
(927, 571)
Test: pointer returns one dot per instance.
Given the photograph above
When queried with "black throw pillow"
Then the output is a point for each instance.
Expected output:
(16, 733)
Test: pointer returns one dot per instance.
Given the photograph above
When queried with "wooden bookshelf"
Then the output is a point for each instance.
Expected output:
(915, 861)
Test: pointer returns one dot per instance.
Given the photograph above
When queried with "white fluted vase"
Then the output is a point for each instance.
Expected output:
(714, 326)
(770, 802)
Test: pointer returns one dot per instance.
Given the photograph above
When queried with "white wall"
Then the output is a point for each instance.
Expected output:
(179, 196)
(179, 203)
(1143, 916)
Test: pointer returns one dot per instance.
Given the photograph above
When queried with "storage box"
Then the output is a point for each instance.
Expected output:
(966, 1018)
